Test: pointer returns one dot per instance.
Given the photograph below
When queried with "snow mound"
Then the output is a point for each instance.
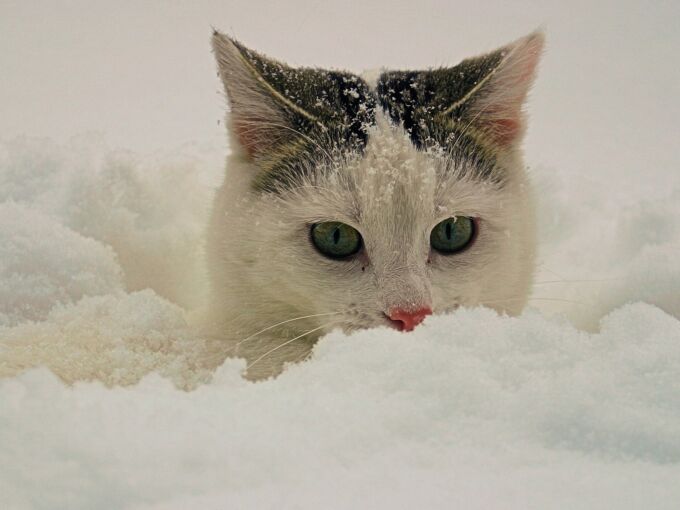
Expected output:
(101, 275)
(605, 243)
(151, 211)
(471, 411)
(43, 263)
(117, 339)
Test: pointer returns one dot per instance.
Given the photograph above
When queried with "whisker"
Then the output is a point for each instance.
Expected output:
(288, 342)
(280, 324)
(557, 299)
(579, 281)
(554, 273)
(511, 300)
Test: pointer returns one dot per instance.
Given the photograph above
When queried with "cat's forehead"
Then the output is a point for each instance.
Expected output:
(390, 159)
(391, 182)
(383, 115)
(293, 123)
(389, 153)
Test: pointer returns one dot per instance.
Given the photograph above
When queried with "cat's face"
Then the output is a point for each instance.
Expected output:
(372, 204)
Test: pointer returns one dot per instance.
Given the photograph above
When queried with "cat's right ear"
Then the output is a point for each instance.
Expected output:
(261, 118)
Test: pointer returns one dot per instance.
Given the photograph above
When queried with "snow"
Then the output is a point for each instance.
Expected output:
(471, 409)
(574, 404)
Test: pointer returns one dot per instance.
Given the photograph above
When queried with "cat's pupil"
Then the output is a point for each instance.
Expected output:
(336, 235)
(448, 230)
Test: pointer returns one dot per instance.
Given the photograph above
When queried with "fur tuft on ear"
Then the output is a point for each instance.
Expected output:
(495, 103)
(282, 116)
(479, 100)
(259, 118)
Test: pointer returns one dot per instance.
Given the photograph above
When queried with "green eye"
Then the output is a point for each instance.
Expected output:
(335, 240)
(453, 235)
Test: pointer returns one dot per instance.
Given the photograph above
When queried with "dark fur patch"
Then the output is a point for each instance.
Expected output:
(328, 114)
(419, 101)
(341, 108)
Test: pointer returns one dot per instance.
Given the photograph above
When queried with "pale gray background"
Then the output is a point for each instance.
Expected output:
(142, 73)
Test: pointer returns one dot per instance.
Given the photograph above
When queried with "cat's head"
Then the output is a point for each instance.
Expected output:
(377, 201)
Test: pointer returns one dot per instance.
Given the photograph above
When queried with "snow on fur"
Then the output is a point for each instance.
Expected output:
(471, 410)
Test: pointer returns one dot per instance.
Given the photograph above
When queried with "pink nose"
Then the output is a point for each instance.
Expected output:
(407, 320)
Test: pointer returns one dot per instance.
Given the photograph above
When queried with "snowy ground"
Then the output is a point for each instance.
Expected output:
(472, 408)
(575, 404)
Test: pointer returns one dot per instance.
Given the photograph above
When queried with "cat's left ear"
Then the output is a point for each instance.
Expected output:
(498, 84)
(262, 117)
(280, 113)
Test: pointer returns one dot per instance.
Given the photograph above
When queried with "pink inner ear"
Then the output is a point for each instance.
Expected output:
(505, 131)
(502, 113)
(247, 136)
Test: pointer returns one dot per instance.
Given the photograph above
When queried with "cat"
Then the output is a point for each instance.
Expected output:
(355, 203)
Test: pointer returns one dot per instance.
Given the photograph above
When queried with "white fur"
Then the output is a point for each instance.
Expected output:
(273, 294)
(264, 269)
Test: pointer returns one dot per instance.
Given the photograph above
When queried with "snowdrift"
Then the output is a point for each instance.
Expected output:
(574, 404)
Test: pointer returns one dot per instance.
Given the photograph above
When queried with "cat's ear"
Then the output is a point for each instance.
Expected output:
(482, 95)
(262, 118)
(281, 115)
(495, 87)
